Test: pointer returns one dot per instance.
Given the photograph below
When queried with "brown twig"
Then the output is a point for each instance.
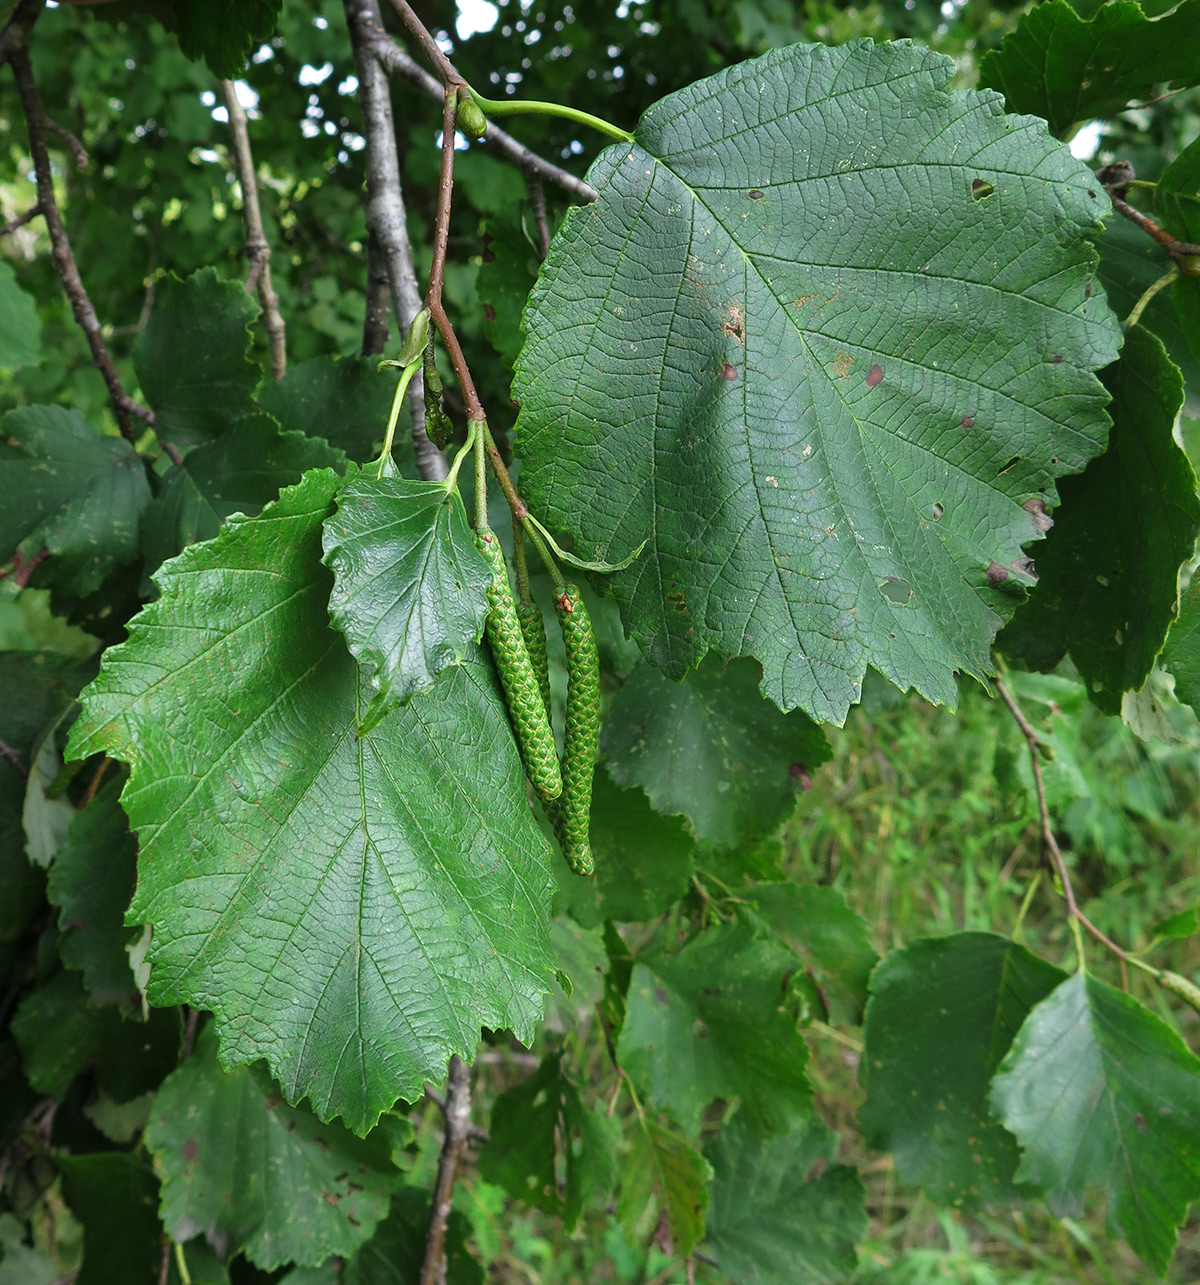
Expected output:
(537, 202)
(458, 1119)
(385, 214)
(164, 1267)
(21, 219)
(78, 151)
(474, 1132)
(447, 72)
(258, 249)
(14, 47)
(189, 1034)
(13, 759)
(396, 62)
(94, 785)
(1049, 842)
(1175, 248)
(22, 568)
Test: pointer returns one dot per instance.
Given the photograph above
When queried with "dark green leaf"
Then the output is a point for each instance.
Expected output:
(662, 1166)
(643, 860)
(717, 1020)
(541, 1133)
(770, 1220)
(510, 267)
(1177, 196)
(115, 1196)
(1177, 927)
(255, 1176)
(20, 326)
(409, 584)
(345, 400)
(191, 359)
(245, 468)
(828, 936)
(71, 492)
(395, 1254)
(225, 32)
(1069, 69)
(398, 882)
(824, 416)
(942, 1015)
(1101, 1092)
(1108, 584)
(1181, 655)
(91, 882)
(711, 748)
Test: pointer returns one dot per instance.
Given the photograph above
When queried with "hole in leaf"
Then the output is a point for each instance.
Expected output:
(755, 194)
(981, 189)
(937, 511)
(897, 591)
(1016, 459)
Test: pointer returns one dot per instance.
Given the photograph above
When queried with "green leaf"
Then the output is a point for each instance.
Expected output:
(20, 326)
(1101, 1092)
(395, 1254)
(225, 32)
(191, 359)
(644, 861)
(45, 814)
(1177, 195)
(717, 1020)
(344, 400)
(1181, 655)
(542, 1130)
(1177, 927)
(824, 414)
(245, 468)
(255, 1176)
(942, 1015)
(711, 748)
(1068, 69)
(510, 267)
(65, 489)
(409, 584)
(1108, 584)
(397, 886)
(662, 1165)
(831, 939)
(115, 1196)
(91, 883)
(770, 1220)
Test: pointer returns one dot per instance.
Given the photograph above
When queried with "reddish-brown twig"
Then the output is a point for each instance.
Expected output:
(21, 219)
(458, 1120)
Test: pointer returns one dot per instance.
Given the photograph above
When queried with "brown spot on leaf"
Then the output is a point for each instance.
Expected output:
(729, 372)
(489, 312)
(841, 364)
(967, 421)
(874, 376)
(1139, 1120)
(996, 574)
(1035, 506)
(190, 1149)
(1023, 567)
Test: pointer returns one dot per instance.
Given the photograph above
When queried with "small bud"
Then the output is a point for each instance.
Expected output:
(471, 119)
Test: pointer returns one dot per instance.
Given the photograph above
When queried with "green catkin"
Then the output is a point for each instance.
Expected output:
(572, 812)
(438, 427)
(517, 676)
(533, 629)
(1177, 985)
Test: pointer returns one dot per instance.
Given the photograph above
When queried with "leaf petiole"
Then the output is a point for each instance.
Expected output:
(528, 107)
(603, 568)
(406, 375)
(452, 477)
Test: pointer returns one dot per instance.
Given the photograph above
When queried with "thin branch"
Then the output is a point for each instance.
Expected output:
(537, 202)
(13, 759)
(446, 70)
(1116, 179)
(78, 151)
(1049, 842)
(385, 213)
(398, 63)
(14, 44)
(474, 1132)
(458, 1119)
(19, 222)
(377, 314)
(258, 249)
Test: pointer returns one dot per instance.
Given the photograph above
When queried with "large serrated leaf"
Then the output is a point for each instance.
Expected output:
(715, 1020)
(394, 889)
(224, 32)
(409, 589)
(827, 327)
(254, 1175)
(1101, 1092)
(664, 1167)
(20, 326)
(1181, 655)
(942, 1015)
(1068, 68)
(68, 495)
(781, 1212)
(1109, 571)
(710, 748)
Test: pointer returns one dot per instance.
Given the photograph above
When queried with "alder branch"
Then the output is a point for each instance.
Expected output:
(377, 313)
(385, 213)
(19, 222)
(537, 203)
(258, 248)
(458, 1121)
(14, 48)
(13, 759)
(474, 1132)
(398, 63)
(78, 151)
(1049, 843)
(1116, 180)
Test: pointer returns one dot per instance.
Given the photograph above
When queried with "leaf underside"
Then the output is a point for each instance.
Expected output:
(824, 375)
